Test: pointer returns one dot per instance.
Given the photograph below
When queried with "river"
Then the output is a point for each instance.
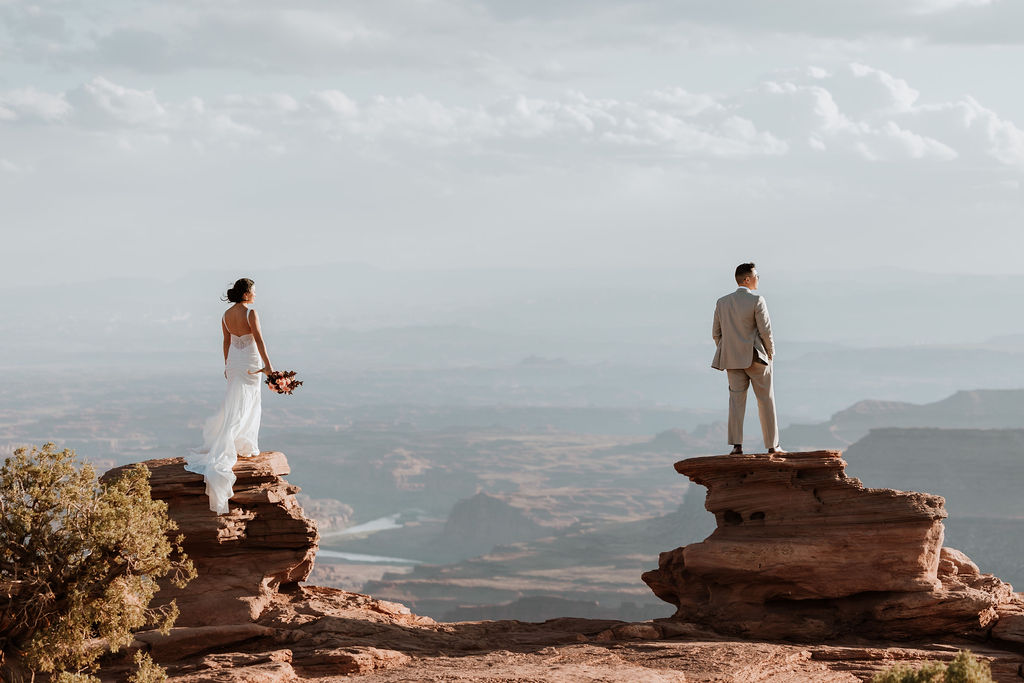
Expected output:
(373, 526)
(359, 557)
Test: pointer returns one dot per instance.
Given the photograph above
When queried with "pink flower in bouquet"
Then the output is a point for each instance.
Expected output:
(283, 382)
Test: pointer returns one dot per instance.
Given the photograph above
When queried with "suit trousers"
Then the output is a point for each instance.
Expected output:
(760, 376)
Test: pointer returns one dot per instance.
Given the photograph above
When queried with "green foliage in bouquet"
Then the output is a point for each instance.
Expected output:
(963, 669)
(79, 562)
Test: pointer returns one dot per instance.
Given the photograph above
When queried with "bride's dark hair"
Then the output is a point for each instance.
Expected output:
(238, 290)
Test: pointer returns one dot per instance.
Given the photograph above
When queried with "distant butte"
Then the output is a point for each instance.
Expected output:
(801, 551)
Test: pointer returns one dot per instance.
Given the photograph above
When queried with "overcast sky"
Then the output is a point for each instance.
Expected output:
(157, 138)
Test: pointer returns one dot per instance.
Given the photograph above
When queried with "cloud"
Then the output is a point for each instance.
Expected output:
(31, 105)
(976, 128)
(103, 103)
(127, 114)
(957, 21)
(468, 42)
(838, 159)
(669, 123)
(256, 38)
(544, 130)
(335, 101)
(868, 113)
(874, 89)
(854, 114)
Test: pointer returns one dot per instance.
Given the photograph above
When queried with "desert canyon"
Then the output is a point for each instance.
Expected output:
(808, 576)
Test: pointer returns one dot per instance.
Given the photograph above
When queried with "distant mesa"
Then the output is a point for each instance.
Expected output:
(330, 514)
(542, 608)
(978, 471)
(479, 523)
(803, 551)
(979, 409)
(542, 362)
(703, 439)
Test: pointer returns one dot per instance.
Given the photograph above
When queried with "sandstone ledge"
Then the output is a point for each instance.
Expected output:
(263, 544)
(803, 551)
(325, 634)
(248, 619)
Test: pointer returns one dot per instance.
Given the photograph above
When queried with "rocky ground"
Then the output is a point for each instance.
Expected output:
(323, 634)
(247, 617)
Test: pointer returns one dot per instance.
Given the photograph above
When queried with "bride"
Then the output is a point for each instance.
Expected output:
(234, 430)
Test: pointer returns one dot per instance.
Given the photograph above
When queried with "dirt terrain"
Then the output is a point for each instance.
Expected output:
(323, 634)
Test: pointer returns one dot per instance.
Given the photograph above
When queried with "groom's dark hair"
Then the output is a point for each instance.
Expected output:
(743, 270)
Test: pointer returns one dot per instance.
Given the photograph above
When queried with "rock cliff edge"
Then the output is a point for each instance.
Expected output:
(801, 551)
(245, 557)
(795, 536)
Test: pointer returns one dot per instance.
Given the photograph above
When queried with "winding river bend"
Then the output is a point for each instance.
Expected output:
(359, 557)
(373, 526)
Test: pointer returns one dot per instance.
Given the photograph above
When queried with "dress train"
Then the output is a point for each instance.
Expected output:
(234, 430)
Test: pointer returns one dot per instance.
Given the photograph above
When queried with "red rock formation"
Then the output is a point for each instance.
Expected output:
(803, 551)
(324, 634)
(244, 557)
(250, 559)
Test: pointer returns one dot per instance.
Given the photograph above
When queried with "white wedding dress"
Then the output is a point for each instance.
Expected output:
(234, 430)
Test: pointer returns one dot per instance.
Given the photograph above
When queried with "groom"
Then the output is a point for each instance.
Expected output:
(742, 331)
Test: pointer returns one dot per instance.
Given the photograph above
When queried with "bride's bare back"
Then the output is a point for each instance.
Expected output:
(237, 320)
(240, 320)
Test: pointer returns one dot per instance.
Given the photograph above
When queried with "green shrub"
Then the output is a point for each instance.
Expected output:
(68, 677)
(146, 670)
(963, 669)
(79, 562)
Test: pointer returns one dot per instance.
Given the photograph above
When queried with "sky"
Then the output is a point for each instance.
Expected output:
(153, 139)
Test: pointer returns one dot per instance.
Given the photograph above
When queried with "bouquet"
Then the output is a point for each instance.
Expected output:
(283, 381)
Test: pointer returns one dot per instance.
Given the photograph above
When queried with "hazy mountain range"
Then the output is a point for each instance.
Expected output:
(613, 338)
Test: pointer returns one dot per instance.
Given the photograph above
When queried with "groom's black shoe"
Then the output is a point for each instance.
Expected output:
(777, 451)
(737, 449)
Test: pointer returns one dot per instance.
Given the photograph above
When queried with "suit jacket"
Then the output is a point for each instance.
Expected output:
(741, 329)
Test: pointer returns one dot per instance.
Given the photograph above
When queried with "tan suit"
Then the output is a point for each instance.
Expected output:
(742, 332)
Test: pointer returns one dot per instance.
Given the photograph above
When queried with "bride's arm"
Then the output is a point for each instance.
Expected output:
(257, 335)
(227, 344)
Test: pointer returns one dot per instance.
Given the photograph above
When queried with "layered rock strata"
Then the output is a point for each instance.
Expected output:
(803, 551)
(282, 631)
(243, 558)
(324, 634)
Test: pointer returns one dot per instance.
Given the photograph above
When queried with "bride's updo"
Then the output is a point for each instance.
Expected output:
(238, 290)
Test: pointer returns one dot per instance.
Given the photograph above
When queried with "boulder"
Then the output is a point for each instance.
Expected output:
(262, 545)
(803, 551)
